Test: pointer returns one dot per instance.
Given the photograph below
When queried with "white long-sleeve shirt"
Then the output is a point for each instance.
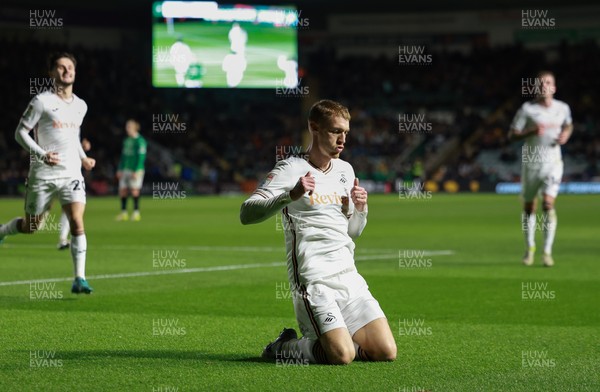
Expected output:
(56, 128)
(315, 226)
(542, 150)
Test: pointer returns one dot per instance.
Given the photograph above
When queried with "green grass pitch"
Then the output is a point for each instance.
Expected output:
(200, 323)
(210, 44)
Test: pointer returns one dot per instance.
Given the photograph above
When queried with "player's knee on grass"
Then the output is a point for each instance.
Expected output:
(385, 351)
(376, 341)
(338, 351)
(340, 355)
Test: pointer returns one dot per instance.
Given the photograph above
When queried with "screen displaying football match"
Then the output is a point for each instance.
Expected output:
(206, 44)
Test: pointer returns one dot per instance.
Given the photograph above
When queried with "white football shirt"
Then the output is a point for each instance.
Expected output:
(56, 128)
(543, 149)
(316, 225)
(181, 56)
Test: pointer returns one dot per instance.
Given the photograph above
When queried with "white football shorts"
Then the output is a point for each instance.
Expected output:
(544, 179)
(40, 193)
(339, 301)
(127, 180)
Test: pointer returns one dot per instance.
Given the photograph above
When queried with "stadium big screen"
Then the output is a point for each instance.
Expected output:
(206, 44)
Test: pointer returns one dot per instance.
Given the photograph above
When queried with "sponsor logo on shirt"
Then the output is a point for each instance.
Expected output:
(316, 198)
(60, 124)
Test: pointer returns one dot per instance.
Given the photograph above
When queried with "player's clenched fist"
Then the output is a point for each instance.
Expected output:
(304, 184)
(88, 163)
(359, 196)
(563, 138)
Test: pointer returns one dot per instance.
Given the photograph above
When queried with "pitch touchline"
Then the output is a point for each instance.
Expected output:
(205, 269)
(229, 248)
(151, 273)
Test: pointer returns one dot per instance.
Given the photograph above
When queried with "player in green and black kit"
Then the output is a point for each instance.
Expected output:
(131, 170)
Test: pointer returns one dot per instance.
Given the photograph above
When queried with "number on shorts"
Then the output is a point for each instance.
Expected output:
(78, 185)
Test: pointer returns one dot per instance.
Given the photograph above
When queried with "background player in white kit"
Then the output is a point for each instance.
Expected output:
(238, 38)
(323, 208)
(55, 118)
(545, 123)
(181, 57)
(234, 65)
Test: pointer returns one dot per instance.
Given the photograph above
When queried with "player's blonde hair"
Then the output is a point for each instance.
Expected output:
(326, 109)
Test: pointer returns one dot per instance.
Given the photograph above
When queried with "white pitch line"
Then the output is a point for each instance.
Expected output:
(205, 269)
(151, 273)
(231, 248)
(164, 247)
(415, 255)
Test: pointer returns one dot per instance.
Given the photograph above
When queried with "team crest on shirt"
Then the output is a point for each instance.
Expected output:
(343, 179)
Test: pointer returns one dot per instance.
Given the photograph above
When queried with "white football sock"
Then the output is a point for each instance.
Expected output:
(78, 252)
(64, 228)
(528, 227)
(292, 348)
(549, 229)
(10, 228)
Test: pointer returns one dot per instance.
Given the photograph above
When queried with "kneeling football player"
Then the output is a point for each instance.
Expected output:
(323, 208)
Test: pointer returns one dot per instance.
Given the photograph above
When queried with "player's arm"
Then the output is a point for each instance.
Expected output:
(518, 130)
(567, 128)
(87, 162)
(86, 145)
(274, 194)
(358, 209)
(80, 150)
(28, 121)
(141, 154)
(139, 158)
(515, 134)
(565, 134)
